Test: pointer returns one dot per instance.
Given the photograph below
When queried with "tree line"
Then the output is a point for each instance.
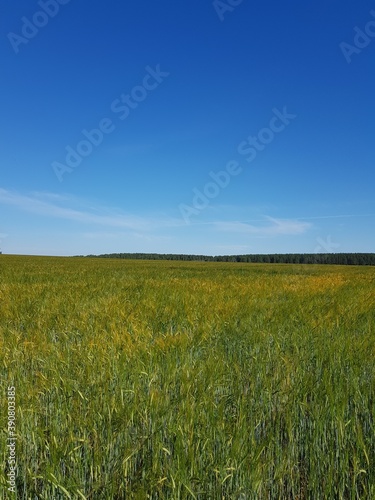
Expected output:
(353, 259)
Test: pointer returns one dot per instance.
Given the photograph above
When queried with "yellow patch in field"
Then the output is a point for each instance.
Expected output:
(167, 341)
(314, 284)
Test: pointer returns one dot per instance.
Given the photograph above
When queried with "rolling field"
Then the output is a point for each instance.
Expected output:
(174, 380)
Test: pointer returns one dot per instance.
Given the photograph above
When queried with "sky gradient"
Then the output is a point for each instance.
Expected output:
(207, 127)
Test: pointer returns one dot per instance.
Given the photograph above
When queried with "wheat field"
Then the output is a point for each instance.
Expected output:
(183, 380)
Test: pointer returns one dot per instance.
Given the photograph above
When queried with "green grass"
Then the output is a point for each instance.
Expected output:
(169, 380)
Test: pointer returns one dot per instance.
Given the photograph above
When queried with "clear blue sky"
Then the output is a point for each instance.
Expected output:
(182, 89)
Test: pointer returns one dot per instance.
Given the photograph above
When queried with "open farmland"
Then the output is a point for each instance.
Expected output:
(171, 380)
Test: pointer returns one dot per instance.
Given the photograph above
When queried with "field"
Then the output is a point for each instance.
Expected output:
(174, 380)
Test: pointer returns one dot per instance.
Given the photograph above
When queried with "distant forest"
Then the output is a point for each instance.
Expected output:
(353, 259)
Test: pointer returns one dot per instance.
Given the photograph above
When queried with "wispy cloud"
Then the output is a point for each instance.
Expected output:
(49, 205)
(120, 235)
(231, 249)
(274, 227)
(49, 196)
(111, 222)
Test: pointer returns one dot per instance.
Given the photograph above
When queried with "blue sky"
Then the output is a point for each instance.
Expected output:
(195, 126)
